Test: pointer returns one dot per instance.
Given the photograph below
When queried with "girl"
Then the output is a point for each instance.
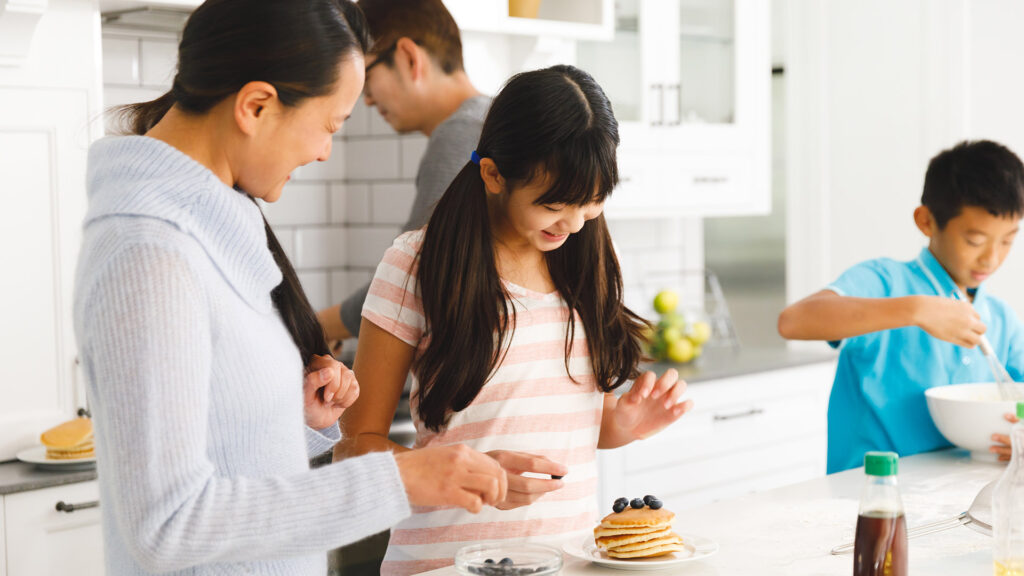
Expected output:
(194, 331)
(508, 309)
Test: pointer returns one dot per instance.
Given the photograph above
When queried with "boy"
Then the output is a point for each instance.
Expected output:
(415, 78)
(902, 328)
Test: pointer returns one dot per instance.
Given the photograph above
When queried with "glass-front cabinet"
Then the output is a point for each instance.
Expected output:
(689, 81)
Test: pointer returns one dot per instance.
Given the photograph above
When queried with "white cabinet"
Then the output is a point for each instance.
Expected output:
(689, 81)
(47, 100)
(42, 541)
(589, 19)
(744, 434)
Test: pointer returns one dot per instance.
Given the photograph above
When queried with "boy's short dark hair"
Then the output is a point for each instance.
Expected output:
(426, 22)
(978, 173)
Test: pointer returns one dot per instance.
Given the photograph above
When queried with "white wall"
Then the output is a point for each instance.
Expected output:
(995, 104)
(46, 102)
(876, 89)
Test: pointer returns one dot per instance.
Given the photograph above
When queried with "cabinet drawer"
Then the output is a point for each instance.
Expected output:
(699, 481)
(42, 541)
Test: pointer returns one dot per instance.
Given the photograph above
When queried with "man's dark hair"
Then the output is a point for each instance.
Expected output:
(978, 173)
(426, 22)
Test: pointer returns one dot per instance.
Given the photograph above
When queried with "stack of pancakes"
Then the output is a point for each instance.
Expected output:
(69, 441)
(638, 533)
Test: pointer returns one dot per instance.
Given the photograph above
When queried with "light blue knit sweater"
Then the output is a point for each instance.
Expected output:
(196, 386)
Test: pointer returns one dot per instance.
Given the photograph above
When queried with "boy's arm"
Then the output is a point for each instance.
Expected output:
(826, 315)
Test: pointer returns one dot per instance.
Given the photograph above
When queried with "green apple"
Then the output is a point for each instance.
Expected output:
(700, 332)
(671, 334)
(681, 351)
(671, 319)
(666, 301)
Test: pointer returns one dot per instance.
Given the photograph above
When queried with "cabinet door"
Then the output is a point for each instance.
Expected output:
(44, 137)
(732, 443)
(630, 68)
(704, 149)
(41, 541)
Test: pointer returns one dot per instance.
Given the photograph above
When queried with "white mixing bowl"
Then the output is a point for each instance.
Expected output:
(969, 414)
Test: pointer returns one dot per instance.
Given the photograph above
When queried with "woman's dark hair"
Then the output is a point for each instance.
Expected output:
(554, 123)
(978, 173)
(294, 45)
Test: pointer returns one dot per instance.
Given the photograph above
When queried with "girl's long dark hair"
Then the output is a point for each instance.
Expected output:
(294, 45)
(557, 122)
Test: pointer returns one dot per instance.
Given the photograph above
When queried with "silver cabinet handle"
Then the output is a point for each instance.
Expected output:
(63, 506)
(660, 88)
(734, 415)
(678, 89)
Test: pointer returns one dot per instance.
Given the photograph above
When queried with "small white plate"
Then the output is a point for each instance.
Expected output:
(37, 455)
(697, 547)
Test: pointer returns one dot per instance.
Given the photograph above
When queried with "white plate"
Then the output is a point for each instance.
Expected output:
(37, 455)
(697, 547)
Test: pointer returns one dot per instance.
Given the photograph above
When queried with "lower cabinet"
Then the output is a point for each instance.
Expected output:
(40, 540)
(745, 434)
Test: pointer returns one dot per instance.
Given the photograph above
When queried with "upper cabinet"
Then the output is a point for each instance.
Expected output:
(574, 19)
(689, 81)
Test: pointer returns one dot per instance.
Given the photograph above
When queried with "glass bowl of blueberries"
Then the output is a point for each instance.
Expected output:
(503, 559)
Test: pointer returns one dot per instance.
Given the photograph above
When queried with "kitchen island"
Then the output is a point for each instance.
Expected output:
(791, 530)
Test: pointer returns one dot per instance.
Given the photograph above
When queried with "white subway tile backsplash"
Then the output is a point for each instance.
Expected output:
(378, 125)
(350, 203)
(366, 246)
(630, 234)
(392, 202)
(159, 60)
(300, 204)
(372, 159)
(320, 247)
(315, 285)
(413, 146)
(358, 123)
(120, 61)
(331, 169)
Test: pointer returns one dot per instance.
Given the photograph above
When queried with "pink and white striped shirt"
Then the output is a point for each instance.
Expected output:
(530, 404)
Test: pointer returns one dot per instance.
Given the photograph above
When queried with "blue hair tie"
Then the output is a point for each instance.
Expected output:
(475, 158)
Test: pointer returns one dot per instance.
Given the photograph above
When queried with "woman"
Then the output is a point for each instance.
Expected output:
(195, 333)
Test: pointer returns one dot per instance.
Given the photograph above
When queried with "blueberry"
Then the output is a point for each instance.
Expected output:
(648, 498)
(489, 561)
(619, 506)
(553, 477)
(623, 500)
(655, 503)
(637, 503)
(506, 562)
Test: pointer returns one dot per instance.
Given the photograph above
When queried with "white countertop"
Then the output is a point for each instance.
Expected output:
(789, 531)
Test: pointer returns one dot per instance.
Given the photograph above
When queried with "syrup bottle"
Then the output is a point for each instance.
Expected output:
(880, 547)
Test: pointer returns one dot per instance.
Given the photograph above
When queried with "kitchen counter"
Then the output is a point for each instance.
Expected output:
(790, 530)
(719, 363)
(21, 477)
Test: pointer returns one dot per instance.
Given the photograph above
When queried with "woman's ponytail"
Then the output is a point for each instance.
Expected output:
(139, 118)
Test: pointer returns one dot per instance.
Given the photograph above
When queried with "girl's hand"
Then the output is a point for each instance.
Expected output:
(329, 388)
(651, 405)
(523, 491)
(1002, 446)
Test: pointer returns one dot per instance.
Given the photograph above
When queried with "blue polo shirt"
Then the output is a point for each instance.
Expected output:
(878, 400)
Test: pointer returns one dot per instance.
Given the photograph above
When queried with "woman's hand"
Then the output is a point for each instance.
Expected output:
(329, 388)
(648, 407)
(1002, 446)
(522, 490)
(451, 476)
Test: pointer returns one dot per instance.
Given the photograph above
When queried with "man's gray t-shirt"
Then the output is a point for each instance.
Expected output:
(447, 152)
